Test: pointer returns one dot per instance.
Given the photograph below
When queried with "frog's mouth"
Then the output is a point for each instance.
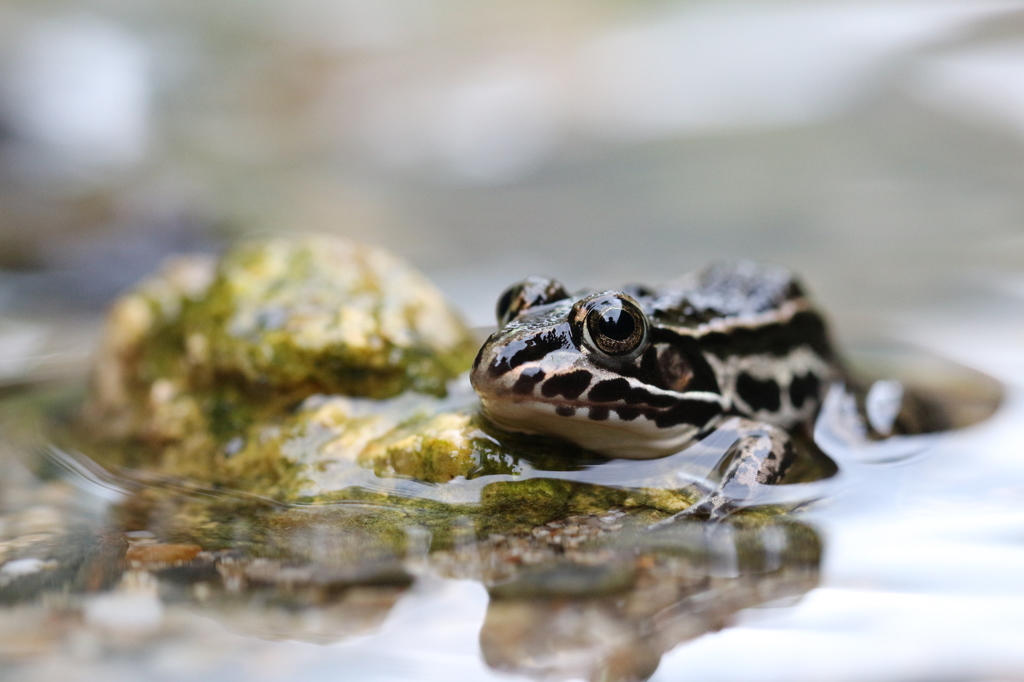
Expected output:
(562, 395)
(599, 428)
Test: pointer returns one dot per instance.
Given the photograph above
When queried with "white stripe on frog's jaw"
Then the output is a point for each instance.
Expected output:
(532, 377)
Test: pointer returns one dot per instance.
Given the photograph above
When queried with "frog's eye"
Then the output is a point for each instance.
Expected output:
(532, 291)
(613, 324)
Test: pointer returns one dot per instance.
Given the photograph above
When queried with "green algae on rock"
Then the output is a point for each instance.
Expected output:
(327, 316)
(203, 350)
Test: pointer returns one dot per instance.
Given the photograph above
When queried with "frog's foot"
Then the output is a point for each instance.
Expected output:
(894, 425)
(713, 507)
(760, 457)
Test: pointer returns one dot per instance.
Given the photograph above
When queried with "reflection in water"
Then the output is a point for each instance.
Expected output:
(592, 596)
(614, 620)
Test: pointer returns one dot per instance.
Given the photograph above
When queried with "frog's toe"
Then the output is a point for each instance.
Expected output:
(714, 507)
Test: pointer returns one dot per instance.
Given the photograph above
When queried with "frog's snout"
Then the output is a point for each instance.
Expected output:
(475, 371)
(484, 376)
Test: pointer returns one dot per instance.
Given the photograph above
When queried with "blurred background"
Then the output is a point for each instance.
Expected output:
(875, 147)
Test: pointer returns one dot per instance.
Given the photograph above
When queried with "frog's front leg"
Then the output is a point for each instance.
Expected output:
(760, 455)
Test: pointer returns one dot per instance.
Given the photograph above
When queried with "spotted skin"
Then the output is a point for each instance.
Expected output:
(739, 340)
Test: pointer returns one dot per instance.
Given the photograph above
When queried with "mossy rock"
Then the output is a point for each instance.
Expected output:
(199, 352)
(326, 315)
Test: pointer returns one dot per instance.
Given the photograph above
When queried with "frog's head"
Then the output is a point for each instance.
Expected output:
(591, 368)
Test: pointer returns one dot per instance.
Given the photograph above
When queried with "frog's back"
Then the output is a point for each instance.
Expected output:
(726, 293)
(768, 346)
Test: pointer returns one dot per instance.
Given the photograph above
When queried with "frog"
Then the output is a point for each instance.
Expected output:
(644, 372)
